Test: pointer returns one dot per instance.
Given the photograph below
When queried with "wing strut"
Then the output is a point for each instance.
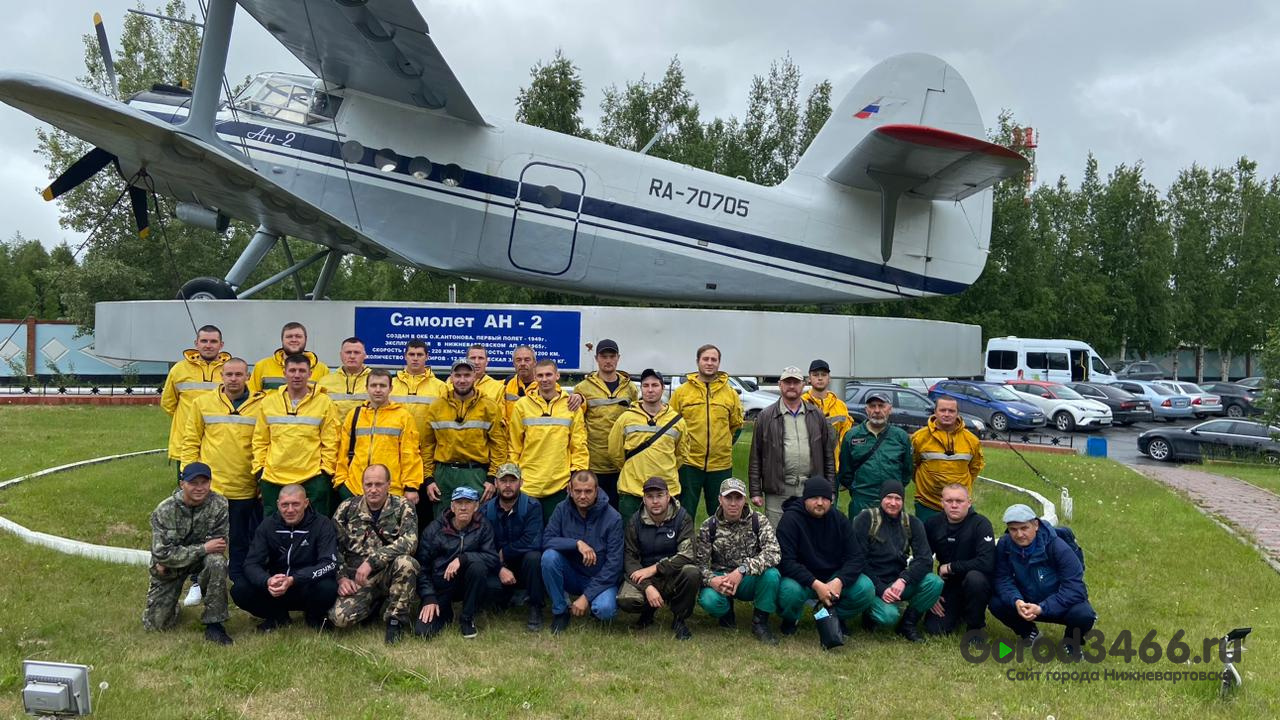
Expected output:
(207, 89)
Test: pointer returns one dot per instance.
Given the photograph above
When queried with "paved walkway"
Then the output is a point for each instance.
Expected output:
(1253, 511)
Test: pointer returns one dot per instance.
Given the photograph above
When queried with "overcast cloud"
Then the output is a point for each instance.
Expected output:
(1165, 83)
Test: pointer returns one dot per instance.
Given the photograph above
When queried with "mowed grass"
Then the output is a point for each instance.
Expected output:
(1154, 563)
(1266, 477)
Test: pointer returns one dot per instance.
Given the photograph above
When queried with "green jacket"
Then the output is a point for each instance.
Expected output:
(891, 461)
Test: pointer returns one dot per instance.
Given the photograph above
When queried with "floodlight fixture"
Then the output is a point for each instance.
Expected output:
(55, 689)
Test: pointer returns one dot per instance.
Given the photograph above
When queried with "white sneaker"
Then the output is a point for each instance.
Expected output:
(194, 596)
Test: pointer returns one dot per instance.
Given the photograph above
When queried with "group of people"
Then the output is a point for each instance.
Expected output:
(478, 492)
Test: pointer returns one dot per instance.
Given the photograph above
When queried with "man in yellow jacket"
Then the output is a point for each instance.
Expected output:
(485, 384)
(295, 439)
(416, 387)
(648, 440)
(268, 373)
(198, 373)
(464, 442)
(378, 432)
(345, 384)
(945, 452)
(604, 395)
(220, 435)
(712, 413)
(547, 439)
(523, 382)
(833, 408)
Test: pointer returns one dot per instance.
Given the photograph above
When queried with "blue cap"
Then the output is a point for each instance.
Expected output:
(466, 493)
(195, 470)
(1019, 513)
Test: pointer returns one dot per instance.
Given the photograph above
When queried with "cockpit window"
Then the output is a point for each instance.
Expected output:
(293, 99)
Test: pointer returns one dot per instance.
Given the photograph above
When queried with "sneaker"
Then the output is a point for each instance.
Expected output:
(788, 627)
(215, 633)
(1070, 651)
(427, 630)
(467, 627)
(868, 622)
(729, 621)
(394, 631)
(645, 620)
(844, 627)
(910, 632)
(1031, 636)
(559, 623)
(273, 624)
(977, 640)
(194, 596)
(760, 628)
(534, 623)
(681, 630)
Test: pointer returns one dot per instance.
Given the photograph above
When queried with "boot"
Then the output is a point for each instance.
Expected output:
(215, 633)
(645, 619)
(393, 632)
(907, 628)
(760, 628)
(681, 630)
(729, 621)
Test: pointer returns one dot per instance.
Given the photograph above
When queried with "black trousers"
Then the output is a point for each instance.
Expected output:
(314, 600)
(470, 585)
(243, 516)
(527, 567)
(608, 482)
(964, 599)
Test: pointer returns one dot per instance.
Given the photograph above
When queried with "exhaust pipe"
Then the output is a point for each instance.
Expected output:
(202, 217)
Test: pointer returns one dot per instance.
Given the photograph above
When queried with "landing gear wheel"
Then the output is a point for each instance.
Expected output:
(206, 288)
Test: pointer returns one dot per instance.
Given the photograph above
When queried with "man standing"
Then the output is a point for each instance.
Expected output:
(268, 373)
(792, 442)
(737, 554)
(816, 541)
(944, 452)
(379, 432)
(346, 385)
(198, 373)
(583, 555)
(965, 547)
(548, 440)
(189, 534)
(895, 548)
(463, 442)
(377, 537)
(873, 453)
(607, 392)
(457, 556)
(832, 407)
(712, 413)
(291, 565)
(523, 382)
(656, 565)
(648, 440)
(416, 387)
(516, 519)
(485, 384)
(1039, 577)
(220, 435)
(295, 439)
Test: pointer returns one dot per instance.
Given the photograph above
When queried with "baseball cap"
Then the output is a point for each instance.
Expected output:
(463, 364)
(791, 372)
(1019, 513)
(606, 345)
(733, 485)
(651, 373)
(819, 365)
(511, 469)
(654, 483)
(195, 470)
(880, 395)
(466, 493)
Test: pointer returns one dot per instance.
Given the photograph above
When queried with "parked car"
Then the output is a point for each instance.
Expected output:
(1253, 381)
(995, 404)
(1065, 408)
(1126, 408)
(1140, 370)
(1213, 439)
(1202, 403)
(1237, 400)
(752, 402)
(911, 408)
(1165, 403)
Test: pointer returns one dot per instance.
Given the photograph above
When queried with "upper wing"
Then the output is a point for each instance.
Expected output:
(378, 48)
(934, 164)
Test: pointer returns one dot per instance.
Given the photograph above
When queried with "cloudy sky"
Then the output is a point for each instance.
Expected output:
(1169, 83)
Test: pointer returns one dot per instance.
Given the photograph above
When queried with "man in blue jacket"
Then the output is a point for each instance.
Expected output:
(457, 556)
(583, 553)
(1039, 578)
(517, 531)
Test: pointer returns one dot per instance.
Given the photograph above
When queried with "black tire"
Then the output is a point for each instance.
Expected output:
(206, 288)
(1063, 421)
(1271, 458)
(1159, 449)
(1235, 410)
(999, 422)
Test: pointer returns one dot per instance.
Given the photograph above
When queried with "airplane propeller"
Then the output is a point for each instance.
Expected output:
(105, 48)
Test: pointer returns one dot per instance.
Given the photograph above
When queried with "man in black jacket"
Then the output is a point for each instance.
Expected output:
(965, 546)
(457, 555)
(817, 542)
(292, 564)
(656, 561)
(898, 560)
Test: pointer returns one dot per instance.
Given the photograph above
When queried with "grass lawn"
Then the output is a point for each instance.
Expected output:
(1266, 477)
(1154, 563)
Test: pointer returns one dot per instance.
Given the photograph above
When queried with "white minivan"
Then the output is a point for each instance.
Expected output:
(1061, 361)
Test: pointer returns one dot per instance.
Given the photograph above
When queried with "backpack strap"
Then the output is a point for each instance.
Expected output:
(351, 444)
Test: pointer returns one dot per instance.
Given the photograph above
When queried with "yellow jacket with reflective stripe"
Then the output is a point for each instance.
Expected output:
(490, 388)
(712, 414)
(292, 445)
(837, 414)
(602, 409)
(387, 435)
(548, 442)
(661, 459)
(512, 392)
(458, 432)
(416, 393)
(220, 435)
(346, 391)
(188, 379)
(268, 373)
(943, 458)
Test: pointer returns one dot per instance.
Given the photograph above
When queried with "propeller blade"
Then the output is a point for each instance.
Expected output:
(81, 170)
(105, 48)
(138, 200)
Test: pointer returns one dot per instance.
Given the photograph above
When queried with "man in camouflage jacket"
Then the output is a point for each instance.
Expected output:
(377, 536)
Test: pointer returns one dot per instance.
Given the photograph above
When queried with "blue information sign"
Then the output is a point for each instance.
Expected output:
(552, 334)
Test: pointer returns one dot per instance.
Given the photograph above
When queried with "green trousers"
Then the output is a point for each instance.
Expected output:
(924, 513)
(449, 478)
(760, 590)
(853, 600)
(549, 504)
(696, 484)
(629, 505)
(919, 596)
(319, 490)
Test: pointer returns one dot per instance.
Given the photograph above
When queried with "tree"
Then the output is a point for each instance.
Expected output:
(553, 99)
